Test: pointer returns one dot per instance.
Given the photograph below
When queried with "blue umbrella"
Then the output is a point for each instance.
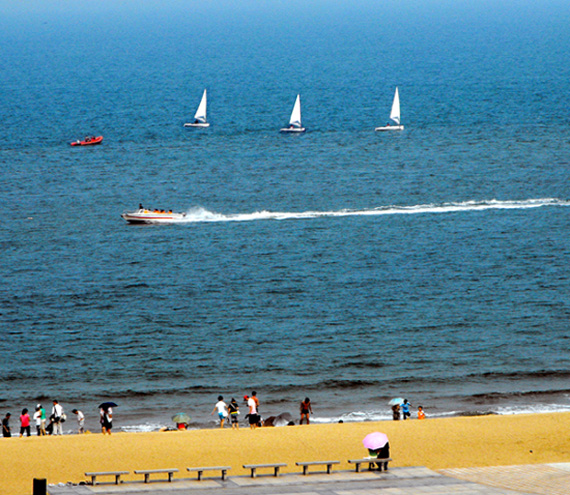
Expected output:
(397, 400)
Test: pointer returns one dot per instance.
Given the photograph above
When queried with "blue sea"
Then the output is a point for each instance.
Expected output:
(343, 264)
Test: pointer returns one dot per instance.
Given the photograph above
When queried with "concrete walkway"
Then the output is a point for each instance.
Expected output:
(551, 479)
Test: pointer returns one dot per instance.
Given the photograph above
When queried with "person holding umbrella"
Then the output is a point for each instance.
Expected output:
(378, 447)
(106, 416)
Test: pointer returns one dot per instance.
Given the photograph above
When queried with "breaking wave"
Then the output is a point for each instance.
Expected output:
(201, 215)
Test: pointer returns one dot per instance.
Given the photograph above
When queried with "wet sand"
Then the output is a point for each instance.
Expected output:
(435, 443)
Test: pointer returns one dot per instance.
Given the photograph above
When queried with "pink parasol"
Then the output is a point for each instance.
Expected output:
(376, 440)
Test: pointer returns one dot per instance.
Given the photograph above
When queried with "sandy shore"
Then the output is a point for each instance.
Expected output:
(435, 443)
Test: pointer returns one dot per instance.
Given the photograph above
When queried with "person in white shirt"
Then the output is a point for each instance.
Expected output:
(80, 420)
(57, 414)
(253, 417)
(38, 420)
(222, 409)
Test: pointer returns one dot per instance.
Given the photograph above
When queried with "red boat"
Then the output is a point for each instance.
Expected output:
(88, 141)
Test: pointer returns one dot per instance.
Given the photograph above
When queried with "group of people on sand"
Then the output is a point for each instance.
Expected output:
(56, 419)
(224, 410)
(404, 408)
(253, 416)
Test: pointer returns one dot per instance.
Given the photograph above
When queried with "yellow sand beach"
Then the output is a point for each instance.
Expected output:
(435, 443)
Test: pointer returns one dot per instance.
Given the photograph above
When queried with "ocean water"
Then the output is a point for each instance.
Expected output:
(342, 264)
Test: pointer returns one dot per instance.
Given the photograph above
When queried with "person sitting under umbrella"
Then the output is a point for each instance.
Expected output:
(378, 447)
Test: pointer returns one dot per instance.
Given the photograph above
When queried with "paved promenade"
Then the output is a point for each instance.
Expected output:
(551, 479)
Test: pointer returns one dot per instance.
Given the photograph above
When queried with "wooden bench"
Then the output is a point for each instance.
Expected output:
(317, 463)
(371, 461)
(116, 474)
(200, 470)
(148, 472)
(275, 467)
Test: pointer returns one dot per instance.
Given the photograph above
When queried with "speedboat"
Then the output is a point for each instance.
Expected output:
(147, 215)
(88, 141)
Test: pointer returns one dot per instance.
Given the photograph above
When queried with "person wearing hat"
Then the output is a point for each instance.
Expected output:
(6, 432)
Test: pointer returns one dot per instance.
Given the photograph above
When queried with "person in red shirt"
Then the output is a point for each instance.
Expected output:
(24, 423)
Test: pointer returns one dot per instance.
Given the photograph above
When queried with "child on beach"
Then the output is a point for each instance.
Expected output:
(421, 413)
(80, 420)
(221, 407)
(233, 409)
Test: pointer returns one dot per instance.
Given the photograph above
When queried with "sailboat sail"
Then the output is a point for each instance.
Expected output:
(295, 119)
(201, 112)
(395, 113)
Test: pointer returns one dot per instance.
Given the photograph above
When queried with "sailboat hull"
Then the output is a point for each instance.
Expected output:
(294, 130)
(204, 124)
(390, 128)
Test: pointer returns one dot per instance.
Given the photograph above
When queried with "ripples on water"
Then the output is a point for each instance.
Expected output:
(343, 264)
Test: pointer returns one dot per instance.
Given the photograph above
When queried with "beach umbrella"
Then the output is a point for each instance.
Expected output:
(397, 400)
(106, 405)
(181, 418)
(375, 441)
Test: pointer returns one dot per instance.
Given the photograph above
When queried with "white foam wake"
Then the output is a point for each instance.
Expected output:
(199, 215)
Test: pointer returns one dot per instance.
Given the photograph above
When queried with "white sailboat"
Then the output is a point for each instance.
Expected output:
(200, 116)
(295, 120)
(394, 116)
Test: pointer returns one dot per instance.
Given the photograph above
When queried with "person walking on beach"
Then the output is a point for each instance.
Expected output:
(80, 420)
(222, 409)
(233, 409)
(306, 409)
(406, 409)
(6, 431)
(57, 414)
(106, 419)
(25, 423)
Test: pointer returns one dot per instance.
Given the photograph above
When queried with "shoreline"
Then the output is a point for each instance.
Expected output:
(438, 443)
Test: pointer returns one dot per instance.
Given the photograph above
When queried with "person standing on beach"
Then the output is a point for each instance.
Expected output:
(25, 423)
(106, 419)
(306, 409)
(6, 431)
(222, 409)
(406, 409)
(396, 412)
(38, 420)
(254, 397)
(233, 409)
(42, 420)
(80, 420)
(421, 413)
(57, 414)
(253, 417)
